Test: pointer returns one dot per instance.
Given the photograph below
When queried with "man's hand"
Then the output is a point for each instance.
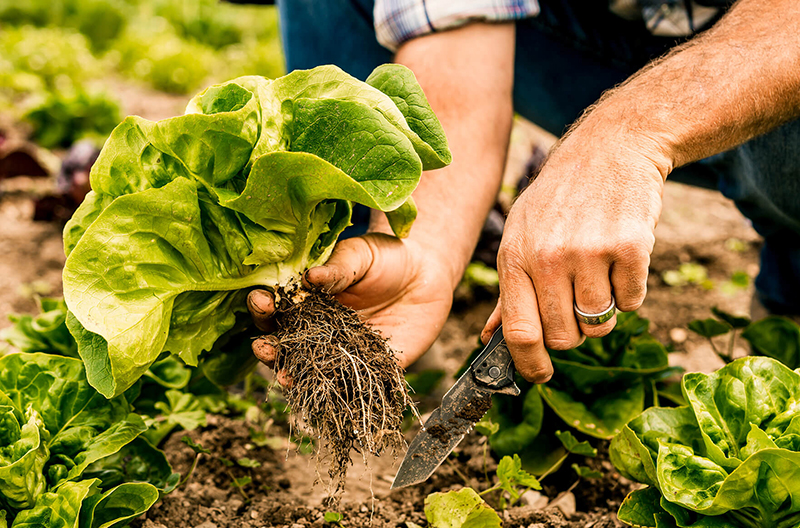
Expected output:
(584, 228)
(399, 289)
(582, 231)
(404, 288)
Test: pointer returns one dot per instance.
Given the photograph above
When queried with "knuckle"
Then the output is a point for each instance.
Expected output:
(598, 330)
(562, 341)
(509, 256)
(632, 250)
(522, 335)
(633, 300)
(631, 291)
(536, 372)
(590, 251)
(591, 298)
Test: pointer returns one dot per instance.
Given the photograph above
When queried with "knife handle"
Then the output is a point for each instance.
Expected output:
(494, 367)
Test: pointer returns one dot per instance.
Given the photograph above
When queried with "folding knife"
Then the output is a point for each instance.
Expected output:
(492, 372)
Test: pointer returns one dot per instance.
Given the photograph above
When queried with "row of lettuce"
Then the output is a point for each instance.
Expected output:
(69, 457)
(56, 58)
(718, 450)
(714, 450)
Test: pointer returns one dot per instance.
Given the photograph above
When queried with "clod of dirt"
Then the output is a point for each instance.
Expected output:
(347, 388)
(439, 432)
(475, 409)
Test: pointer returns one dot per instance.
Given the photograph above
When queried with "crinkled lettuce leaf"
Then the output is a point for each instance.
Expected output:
(83, 505)
(730, 458)
(54, 427)
(138, 461)
(249, 188)
(45, 332)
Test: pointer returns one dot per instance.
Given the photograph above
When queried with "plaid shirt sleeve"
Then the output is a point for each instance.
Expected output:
(399, 20)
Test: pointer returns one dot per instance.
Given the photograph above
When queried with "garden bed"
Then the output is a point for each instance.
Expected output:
(697, 229)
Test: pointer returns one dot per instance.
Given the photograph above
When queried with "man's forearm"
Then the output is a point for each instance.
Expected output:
(467, 76)
(738, 80)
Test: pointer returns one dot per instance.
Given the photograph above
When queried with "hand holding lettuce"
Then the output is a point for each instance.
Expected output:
(249, 188)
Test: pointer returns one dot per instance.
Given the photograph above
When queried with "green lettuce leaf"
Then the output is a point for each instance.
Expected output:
(460, 509)
(730, 458)
(58, 508)
(776, 337)
(138, 461)
(69, 456)
(518, 424)
(600, 386)
(69, 425)
(22, 459)
(170, 373)
(46, 332)
(248, 189)
(84, 505)
(640, 508)
(118, 506)
(181, 409)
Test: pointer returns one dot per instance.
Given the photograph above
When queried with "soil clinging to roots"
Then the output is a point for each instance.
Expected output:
(347, 388)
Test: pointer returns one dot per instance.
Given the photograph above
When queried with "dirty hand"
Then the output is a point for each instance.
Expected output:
(396, 286)
(580, 232)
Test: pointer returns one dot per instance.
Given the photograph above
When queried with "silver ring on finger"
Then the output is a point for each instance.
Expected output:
(596, 318)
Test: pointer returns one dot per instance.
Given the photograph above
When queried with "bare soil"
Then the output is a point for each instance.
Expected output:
(279, 493)
(697, 226)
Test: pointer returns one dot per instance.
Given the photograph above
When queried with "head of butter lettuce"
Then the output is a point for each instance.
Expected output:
(250, 187)
(728, 459)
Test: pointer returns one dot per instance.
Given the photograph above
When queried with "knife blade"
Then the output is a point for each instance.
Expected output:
(491, 372)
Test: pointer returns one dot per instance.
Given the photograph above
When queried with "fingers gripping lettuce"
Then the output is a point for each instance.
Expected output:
(731, 458)
(250, 188)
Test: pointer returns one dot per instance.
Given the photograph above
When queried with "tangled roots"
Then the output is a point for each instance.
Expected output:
(346, 388)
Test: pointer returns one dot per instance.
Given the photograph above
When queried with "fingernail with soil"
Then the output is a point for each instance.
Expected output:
(260, 299)
(266, 349)
(307, 282)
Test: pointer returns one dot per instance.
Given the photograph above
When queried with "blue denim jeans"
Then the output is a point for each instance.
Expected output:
(565, 58)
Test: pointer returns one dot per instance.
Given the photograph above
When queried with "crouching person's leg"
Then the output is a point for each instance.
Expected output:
(763, 178)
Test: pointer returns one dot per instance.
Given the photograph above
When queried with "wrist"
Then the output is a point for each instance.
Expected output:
(620, 133)
(446, 256)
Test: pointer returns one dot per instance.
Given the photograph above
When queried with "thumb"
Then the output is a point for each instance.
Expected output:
(349, 262)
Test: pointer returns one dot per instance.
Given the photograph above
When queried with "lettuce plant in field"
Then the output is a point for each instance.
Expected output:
(729, 459)
(250, 188)
(46, 332)
(68, 456)
(162, 397)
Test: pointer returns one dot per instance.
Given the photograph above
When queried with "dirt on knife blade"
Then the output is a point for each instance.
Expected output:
(472, 413)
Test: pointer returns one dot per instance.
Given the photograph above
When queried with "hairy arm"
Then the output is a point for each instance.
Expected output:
(736, 81)
(584, 229)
